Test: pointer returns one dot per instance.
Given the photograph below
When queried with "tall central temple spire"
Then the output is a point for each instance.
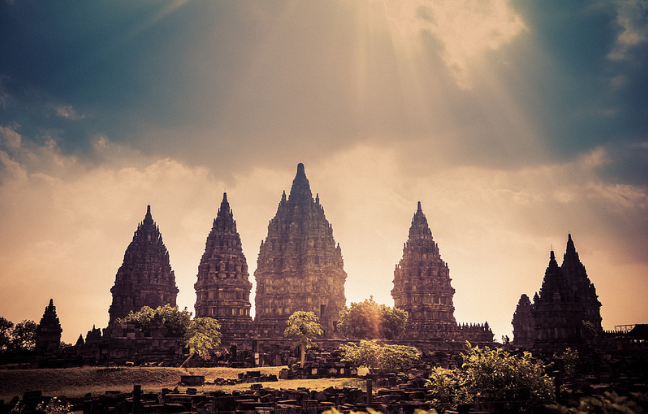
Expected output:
(299, 268)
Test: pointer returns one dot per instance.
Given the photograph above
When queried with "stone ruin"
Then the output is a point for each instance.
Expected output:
(145, 277)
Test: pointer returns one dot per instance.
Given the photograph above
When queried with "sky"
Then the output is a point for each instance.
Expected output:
(514, 123)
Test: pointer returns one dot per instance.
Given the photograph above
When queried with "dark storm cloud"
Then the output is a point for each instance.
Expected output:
(588, 98)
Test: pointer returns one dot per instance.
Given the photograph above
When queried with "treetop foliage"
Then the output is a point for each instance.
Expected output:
(302, 327)
(203, 335)
(370, 320)
(174, 320)
(21, 337)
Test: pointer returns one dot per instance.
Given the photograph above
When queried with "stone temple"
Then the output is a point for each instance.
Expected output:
(523, 324)
(300, 267)
(566, 311)
(422, 288)
(48, 332)
(223, 286)
(145, 277)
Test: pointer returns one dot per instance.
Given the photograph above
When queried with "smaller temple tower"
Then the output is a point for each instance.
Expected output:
(48, 332)
(223, 286)
(145, 277)
(523, 325)
(581, 287)
(422, 284)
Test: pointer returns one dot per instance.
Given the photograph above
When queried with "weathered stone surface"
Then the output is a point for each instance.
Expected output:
(48, 332)
(299, 267)
(145, 277)
(223, 286)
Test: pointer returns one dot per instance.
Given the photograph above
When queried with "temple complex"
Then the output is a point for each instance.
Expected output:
(566, 311)
(223, 286)
(299, 268)
(145, 277)
(422, 288)
(48, 332)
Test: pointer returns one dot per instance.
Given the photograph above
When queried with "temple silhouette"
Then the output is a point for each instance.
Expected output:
(300, 268)
(565, 313)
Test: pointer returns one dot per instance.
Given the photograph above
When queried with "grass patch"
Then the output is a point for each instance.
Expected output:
(77, 382)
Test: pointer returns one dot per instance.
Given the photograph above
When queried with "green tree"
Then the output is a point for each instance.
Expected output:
(202, 336)
(23, 336)
(6, 327)
(302, 327)
(370, 320)
(390, 358)
(175, 321)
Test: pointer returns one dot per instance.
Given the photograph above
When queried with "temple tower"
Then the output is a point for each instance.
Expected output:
(422, 284)
(223, 286)
(299, 267)
(582, 289)
(145, 277)
(557, 315)
(523, 325)
(566, 310)
(48, 332)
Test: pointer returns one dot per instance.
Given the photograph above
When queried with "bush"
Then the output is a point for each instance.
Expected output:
(389, 358)
(512, 382)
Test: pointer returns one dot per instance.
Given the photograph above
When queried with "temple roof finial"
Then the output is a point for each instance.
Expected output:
(419, 207)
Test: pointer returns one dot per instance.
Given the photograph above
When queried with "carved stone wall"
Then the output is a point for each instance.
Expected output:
(223, 286)
(145, 277)
(299, 268)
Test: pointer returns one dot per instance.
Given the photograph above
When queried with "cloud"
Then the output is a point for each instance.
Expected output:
(632, 18)
(67, 112)
(9, 138)
(466, 29)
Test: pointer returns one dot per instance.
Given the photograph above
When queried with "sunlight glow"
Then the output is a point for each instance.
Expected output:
(465, 28)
